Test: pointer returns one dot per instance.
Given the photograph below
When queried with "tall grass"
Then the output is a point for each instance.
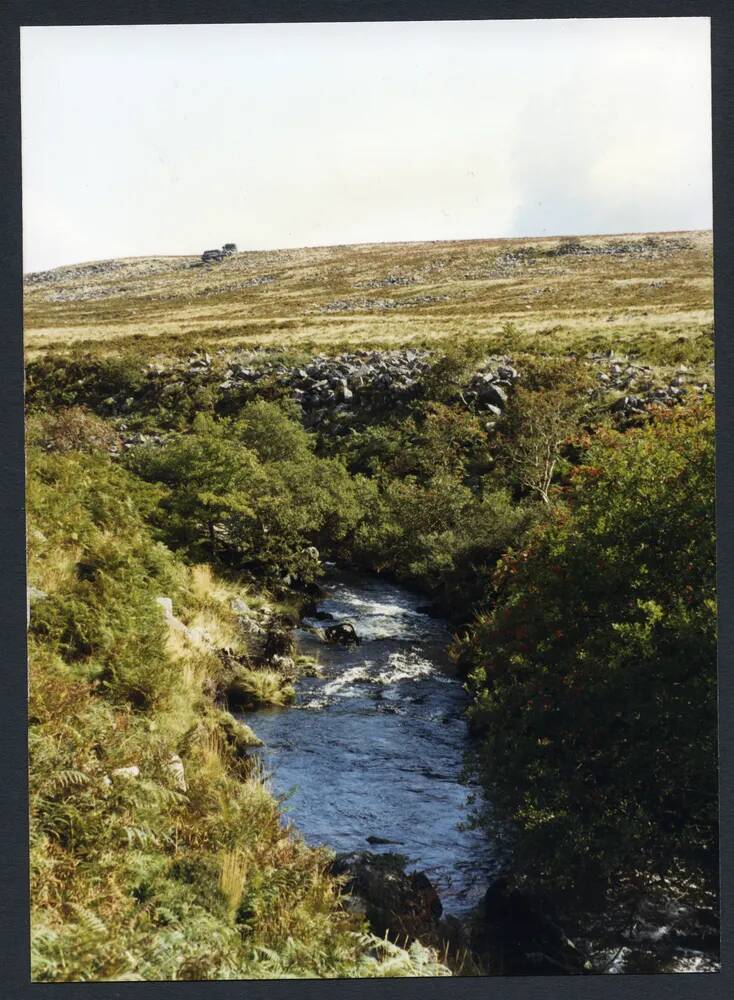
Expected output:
(232, 880)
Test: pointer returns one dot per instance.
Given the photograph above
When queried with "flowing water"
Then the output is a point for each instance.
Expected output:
(374, 745)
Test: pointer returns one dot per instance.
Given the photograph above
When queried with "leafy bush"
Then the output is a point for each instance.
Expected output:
(259, 507)
(272, 433)
(542, 414)
(450, 370)
(595, 671)
(97, 565)
(439, 536)
(89, 381)
(433, 438)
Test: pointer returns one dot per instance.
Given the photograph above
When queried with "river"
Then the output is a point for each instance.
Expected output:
(375, 745)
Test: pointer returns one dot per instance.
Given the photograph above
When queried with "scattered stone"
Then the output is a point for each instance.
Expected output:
(33, 596)
(389, 281)
(285, 665)
(167, 605)
(652, 247)
(199, 636)
(175, 768)
(126, 773)
(378, 305)
(628, 404)
(333, 391)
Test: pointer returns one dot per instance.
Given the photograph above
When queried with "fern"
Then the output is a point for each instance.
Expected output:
(90, 923)
(62, 781)
(140, 836)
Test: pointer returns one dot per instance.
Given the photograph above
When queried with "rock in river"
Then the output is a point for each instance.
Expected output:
(394, 902)
(344, 633)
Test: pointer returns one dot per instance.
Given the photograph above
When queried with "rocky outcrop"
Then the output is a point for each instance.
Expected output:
(488, 389)
(650, 247)
(278, 643)
(513, 936)
(335, 393)
(377, 305)
(400, 905)
(332, 390)
(395, 903)
(638, 388)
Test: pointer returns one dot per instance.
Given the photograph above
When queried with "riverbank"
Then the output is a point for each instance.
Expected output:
(157, 850)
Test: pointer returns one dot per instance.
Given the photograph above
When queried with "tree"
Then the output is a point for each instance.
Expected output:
(541, 415)
(594, 672)
(252, 493)
(451, 370)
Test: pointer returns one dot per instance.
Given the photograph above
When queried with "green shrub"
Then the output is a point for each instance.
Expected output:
(433, 438)
(88, 381)
(440, 536)
(450, 370)
(272, 433)
(233, 502)
(102, 570)
(595, 670)
(542, 414)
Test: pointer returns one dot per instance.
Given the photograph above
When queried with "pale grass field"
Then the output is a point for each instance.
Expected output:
(478, 289)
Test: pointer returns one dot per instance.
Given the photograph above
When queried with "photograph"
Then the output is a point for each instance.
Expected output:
(371, 594)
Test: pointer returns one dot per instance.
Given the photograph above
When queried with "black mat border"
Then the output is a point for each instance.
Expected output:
(14, 974)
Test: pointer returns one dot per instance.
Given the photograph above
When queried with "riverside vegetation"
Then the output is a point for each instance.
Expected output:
(549, 487)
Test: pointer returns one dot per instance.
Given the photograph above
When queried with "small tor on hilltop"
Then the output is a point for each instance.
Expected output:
(227, 250)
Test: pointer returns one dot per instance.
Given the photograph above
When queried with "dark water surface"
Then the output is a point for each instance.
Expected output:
(375, 745)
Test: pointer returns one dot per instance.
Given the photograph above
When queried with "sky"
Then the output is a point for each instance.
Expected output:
(173, 139)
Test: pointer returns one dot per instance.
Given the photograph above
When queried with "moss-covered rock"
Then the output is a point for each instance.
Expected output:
(237, 735)
(250, 689)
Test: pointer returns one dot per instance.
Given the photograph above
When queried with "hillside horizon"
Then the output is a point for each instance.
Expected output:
(379, 243)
